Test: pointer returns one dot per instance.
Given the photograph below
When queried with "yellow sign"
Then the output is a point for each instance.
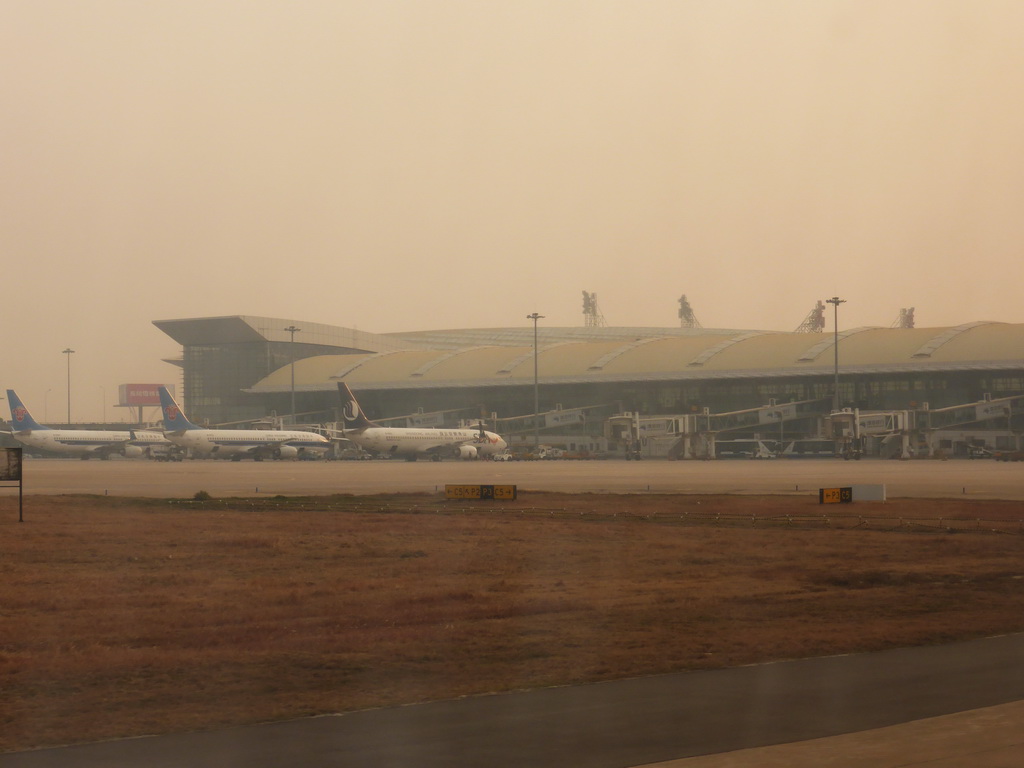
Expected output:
(835, 495)
(507, 492)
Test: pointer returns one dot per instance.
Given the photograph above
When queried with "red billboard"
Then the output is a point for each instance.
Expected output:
(141, 394)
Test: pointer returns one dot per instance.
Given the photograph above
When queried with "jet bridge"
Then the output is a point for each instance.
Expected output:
(990, 410)
(896, 434)
(989, 421)
(885, 433)
(693, 435)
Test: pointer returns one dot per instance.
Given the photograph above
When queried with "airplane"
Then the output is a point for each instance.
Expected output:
(86, 443)
(412, 442)
(153, 445)
(235, 444)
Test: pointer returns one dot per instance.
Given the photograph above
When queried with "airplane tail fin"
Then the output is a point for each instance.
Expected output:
(351, 414)
(21, 419)
(173, 417)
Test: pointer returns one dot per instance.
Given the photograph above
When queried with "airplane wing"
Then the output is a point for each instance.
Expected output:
(441, 449)
(465, 449)
(268, 447)
(275, 449)
(460, 449)
(109, 449)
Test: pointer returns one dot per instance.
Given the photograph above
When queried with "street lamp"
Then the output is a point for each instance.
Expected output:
(835, 301)
(536, 389)
(69, 352)
(291, 347)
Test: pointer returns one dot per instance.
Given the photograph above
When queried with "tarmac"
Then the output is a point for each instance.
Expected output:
(992, 737)
(961, 479)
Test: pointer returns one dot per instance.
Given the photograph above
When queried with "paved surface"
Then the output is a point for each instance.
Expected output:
(982, 738)
(606, 725)
(924, 479)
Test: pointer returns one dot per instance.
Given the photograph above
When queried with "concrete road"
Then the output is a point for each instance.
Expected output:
(990, 737)
(607, 725)
(927, 479)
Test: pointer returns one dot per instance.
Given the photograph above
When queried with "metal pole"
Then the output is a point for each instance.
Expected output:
(835, 301)
(291, 346)
(20, 454)
(69, 352)
(536, 386)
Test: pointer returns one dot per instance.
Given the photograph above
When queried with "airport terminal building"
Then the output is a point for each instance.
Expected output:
(742, 383)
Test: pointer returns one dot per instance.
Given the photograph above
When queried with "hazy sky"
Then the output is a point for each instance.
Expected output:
(415, 165)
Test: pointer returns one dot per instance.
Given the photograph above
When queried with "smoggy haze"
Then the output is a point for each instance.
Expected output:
(409, 165)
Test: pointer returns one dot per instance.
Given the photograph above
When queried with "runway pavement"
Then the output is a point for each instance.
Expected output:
(610, 725)
(980, 479)
(991, 737)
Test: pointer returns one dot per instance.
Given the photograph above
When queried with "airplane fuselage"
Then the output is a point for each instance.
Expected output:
(101, 443)
(245, 442)
(409, 442)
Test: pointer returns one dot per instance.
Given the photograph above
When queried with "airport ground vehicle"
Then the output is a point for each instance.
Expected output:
(1008, 455)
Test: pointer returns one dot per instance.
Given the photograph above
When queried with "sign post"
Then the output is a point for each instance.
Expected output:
(835, 495)
(851, 493)
(10, 471)
(506, 492)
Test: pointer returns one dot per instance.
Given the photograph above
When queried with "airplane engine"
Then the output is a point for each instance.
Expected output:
(286, 452)
(134, 452)
(467, 452)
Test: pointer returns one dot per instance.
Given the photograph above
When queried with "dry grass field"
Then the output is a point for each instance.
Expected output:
(121, 617)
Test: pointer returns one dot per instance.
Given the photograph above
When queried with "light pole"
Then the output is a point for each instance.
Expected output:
(69, 352)
(536, 388)
(291, 347)
(1009, 427)
(835, 301)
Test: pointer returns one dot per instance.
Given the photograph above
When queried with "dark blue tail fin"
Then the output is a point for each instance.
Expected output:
(351, 414)
(21, 419)
(174, 418)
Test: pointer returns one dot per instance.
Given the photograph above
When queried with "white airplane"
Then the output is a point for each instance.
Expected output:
(235, 444)
(87, 443)
(153, 445)
(411, 442)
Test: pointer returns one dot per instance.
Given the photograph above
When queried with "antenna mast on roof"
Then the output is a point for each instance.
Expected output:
(905, 320)
(815, 320)
(591, 314)
(686, 317)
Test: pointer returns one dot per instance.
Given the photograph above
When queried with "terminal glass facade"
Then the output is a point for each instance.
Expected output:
(215, 376)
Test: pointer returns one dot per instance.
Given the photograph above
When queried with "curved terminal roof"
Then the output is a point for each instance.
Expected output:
(460, 338)
(662, 354)
(238, 329)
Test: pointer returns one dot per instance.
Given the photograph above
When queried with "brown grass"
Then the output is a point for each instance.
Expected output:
(123, 617)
